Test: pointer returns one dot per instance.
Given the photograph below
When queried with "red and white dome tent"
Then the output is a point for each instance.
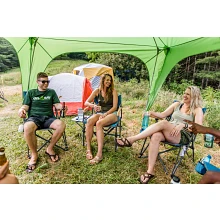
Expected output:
(71, 89)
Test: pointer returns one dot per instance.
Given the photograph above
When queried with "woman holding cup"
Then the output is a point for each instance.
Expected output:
(105, 114)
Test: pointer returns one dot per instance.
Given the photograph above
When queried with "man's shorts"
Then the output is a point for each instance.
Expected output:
(41, 121)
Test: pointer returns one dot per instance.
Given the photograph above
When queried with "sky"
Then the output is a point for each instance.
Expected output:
(113, 18)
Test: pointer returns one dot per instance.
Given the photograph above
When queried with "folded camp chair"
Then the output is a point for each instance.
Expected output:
(181, 150)
(112, 129)
(46, 139)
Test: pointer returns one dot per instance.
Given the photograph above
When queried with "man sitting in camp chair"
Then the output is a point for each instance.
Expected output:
(38, 103)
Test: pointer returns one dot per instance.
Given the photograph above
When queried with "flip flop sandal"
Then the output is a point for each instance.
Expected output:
(147, 176)
(96, 160)
(89, 155)
(52, 156)
(31, 167)
(125, 141)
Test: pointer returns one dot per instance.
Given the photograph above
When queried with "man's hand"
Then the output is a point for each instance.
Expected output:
(217, 141)
(22, 113)
(196, 128)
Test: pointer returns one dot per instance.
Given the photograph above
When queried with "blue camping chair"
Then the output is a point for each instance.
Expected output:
(211, 167)
(112, 129)
(182, 150)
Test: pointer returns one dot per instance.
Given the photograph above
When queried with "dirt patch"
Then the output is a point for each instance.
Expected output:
(12, 90)
(10, 108)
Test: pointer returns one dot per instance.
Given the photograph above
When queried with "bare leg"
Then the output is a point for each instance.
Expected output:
(30, 137)
(58, 126)
(163, 126)
(89, 133)
(109, 119)
(210, 177)
(153, 150)
(9, 179)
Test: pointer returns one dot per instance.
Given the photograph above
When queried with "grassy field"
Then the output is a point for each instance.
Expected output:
(122, 166)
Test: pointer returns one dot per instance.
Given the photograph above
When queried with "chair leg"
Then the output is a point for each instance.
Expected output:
(83, 133)
(65, 141)
(116, 135)
(143, 149)
(47, 141)
(181, 154)
(163, 164)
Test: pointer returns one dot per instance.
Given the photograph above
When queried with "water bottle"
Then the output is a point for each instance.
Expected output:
(175, 179)
(145, 121)
(3, 158)
(200, 167)
(209, 139)
(62, 113)
(206, 159)
(80, 114)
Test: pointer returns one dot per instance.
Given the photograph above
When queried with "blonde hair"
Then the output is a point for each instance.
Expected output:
(196, 98)
(110, 89)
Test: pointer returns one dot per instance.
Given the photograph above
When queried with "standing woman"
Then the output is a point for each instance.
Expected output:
(175, 131)
(105, 114)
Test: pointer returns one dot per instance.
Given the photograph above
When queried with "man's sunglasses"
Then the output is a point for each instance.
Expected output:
(44, 81)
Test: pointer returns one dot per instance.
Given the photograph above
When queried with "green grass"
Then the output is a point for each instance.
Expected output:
(122, 166)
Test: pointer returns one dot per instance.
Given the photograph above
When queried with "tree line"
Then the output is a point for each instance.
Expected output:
(202, 69)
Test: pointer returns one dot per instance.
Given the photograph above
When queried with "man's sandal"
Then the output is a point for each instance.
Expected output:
(147, 178)
(96, 160)
(53, 157)
(125, 142)
(31, 167)
(89, 155)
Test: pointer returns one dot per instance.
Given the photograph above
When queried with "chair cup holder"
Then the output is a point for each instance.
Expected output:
(200, 168)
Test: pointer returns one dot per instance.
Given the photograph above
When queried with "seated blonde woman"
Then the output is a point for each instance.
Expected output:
(175, 131)
(105, 114)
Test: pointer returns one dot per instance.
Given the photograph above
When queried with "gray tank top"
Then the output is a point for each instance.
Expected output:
(178, 116)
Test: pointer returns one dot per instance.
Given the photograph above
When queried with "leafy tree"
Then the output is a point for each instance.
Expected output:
(124, 66)
(8, 56)
(201, 70)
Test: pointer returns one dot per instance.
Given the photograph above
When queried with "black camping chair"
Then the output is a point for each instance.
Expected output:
(182, 150)
(46, 139)
(112, 129)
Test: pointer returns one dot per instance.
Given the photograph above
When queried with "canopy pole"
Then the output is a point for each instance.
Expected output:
(153, 72)
(33, 41)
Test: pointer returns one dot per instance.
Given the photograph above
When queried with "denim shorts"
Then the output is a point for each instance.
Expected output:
(101, 113)
(41, 121)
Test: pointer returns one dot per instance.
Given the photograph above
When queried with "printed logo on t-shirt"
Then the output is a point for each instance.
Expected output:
(42, 98)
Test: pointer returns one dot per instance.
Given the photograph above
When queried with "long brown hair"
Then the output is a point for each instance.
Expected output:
(196, 98)
(109, 90)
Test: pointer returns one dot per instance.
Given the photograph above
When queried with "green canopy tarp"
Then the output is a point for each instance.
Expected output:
(160, 54)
